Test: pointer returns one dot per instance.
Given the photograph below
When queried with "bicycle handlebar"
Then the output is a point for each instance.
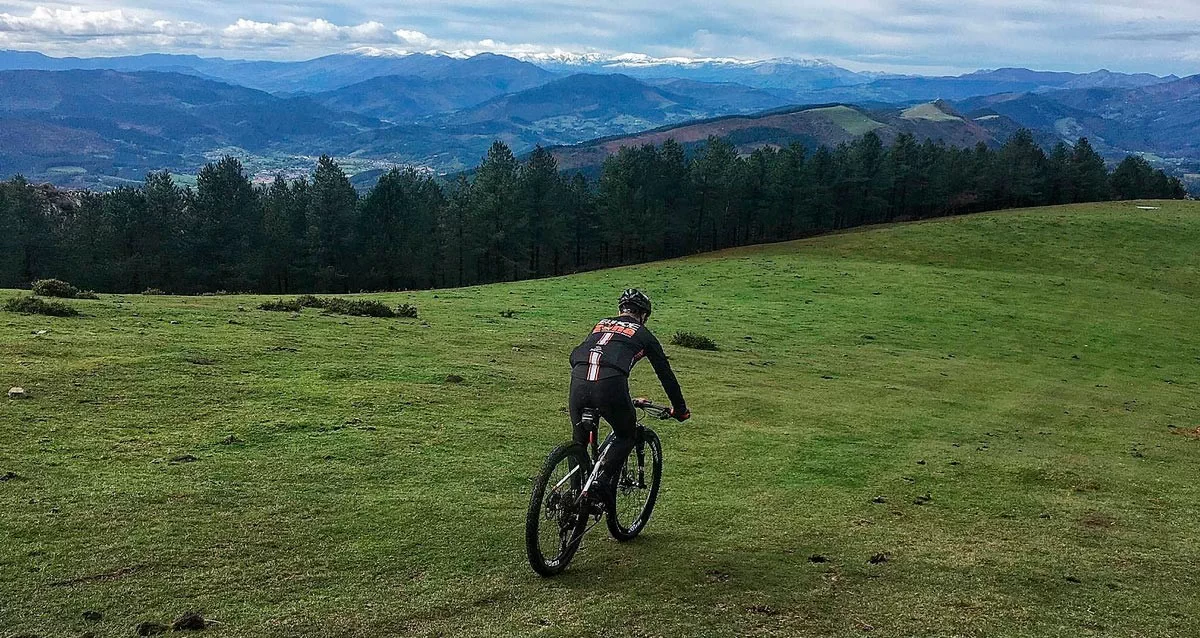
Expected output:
(654, 409)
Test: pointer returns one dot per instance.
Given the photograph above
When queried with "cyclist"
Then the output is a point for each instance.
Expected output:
(600, 369)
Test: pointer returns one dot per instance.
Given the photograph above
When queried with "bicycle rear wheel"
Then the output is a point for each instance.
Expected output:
(556, 520)
(636, 488)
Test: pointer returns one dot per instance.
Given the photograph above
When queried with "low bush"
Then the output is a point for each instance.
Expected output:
(87, 294)
(54, 288)
(357, 307)
(310, 301)
(341, 306)
(508, 314)
(693, 340)
(30, 305)
(153, 291)
(279, 305)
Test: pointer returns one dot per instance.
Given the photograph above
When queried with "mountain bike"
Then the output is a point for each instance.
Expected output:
(561, 509)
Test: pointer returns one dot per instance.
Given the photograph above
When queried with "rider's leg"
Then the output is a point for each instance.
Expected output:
(616, 406)
(580, 398)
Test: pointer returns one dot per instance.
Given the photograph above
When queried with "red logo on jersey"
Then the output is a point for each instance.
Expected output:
(618, 327)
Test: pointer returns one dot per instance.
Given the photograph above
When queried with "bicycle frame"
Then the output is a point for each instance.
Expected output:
(591, 422)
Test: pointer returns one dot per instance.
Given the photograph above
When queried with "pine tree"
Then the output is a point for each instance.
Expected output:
(458, 249)
(167, 206)
(331, 211)
(226, 233)
(1089, 173)
(496, 221)
(281, 245)
(541, 193)
(1022, 178)
(25, 243)
(1061, 175)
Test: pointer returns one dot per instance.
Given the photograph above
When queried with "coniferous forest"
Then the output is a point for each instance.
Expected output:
(515, 219)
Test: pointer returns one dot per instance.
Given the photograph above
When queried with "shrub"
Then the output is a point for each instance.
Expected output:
(54, 288)
(693, 340)
(87, 294)
(508, 314)
(30, 305)
(341, 306)
(153, 291)
(280, 305)
(357, 307)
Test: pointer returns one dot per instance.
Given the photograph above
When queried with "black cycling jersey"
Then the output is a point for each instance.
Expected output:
(612, 349)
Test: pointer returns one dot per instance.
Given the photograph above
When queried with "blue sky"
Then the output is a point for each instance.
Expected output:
(920, 36)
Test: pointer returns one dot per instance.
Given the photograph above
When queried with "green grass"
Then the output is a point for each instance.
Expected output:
(927, 112)
(851, 120)
(1033, 372)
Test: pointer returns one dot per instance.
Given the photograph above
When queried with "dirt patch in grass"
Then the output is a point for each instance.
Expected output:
(1191, 433)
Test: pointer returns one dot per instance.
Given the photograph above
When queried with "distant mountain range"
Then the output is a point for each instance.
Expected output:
(1161, 119)
(59, 123)
(97, 121)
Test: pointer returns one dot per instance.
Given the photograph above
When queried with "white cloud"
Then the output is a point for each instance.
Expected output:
(76, 22)
(1127, 35)
(414, 38)
(318, 30)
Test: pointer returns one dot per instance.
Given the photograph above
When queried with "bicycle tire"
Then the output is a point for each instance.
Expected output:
(625, 531)
(539, 510)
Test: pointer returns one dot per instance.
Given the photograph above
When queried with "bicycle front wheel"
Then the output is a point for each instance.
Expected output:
(557, 519)
(636, 488)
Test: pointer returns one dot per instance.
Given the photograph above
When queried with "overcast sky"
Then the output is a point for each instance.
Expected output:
(919, 36)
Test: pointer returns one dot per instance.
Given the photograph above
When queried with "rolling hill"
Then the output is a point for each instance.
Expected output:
(982, 425)
(981, 83)
(725, 97)
(124, 124)
(406, 98)
(585, 106)
(812, 126)
(95, 127)
(1163, 118)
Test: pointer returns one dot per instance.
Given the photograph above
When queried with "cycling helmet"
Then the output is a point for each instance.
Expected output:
(636, 299)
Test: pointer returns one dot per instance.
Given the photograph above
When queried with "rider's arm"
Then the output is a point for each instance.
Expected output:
(662, 367)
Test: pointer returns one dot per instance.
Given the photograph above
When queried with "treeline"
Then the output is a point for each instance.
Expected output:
(514, 220)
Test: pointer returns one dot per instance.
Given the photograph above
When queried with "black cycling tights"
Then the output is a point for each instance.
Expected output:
(611, 397)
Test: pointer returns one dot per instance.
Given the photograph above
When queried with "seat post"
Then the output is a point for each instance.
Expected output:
(591, 422)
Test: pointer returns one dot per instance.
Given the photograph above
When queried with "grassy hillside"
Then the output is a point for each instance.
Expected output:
(1033, 373)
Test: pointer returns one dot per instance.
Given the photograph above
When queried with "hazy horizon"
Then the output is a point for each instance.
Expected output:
(918, 37)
